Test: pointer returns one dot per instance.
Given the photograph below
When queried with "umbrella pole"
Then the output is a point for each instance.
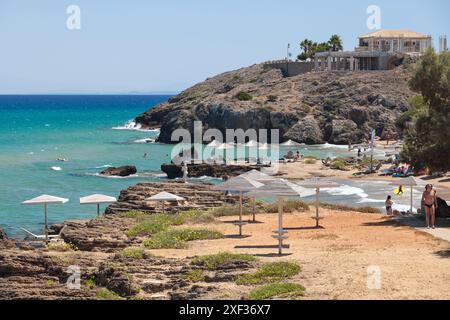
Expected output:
(280, 225)
(411, 212)
(317, 207)
(98, 209)
(46, 230)
(254, 209)
(240, 213)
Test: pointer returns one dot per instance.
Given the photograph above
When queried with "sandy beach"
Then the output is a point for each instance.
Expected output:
(300, 170)
(335, 258)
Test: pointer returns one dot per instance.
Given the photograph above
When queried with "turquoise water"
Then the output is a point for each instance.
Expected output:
(36, 130)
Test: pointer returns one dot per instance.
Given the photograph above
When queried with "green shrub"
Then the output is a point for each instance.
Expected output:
(270, 272)
(244, 96)
(133, 253)
(288, 206)
(60, 246)
(196, 216)
(195, 275)
(341, 207)
(277, 290)
(231, 210)
(90, 282)
(177, 238)
(339, 164)
(213, 262)
(310, 161)
(134, 214)
(151, 225)
(105, 294)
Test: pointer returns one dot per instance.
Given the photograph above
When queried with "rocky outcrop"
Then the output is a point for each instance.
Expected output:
(204, 169)
(311, 108)
(124, 171)
(198, 196)
(443, 210)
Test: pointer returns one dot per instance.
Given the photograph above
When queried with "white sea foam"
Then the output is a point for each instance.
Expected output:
(133, 126)
(346, 190)
(144, 141)
(104, 166)
(56, 168)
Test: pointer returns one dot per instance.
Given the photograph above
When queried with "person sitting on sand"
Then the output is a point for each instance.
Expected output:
(389, 203)
(429, 201)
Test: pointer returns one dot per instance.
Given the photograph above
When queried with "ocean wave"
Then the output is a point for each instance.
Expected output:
(346, 190)
(133, 126)
(144, 141)
(56, 168)
(103, 166)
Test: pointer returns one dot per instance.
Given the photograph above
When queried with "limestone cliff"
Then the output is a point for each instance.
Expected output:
(311, 108)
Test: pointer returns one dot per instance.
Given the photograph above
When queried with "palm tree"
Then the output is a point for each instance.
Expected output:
(336, 43)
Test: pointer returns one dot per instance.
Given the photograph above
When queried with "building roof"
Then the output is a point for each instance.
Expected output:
(394, 34)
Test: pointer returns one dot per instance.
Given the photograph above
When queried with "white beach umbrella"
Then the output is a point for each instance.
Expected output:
(165, 196)
(45, 200)
(279, 188)
(317, 183)
(410, 182)
(242, 185)
(260, 177)
(97, 199)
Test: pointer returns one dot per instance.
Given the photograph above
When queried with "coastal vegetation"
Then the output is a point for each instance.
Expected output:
(270, 272)
(244, 96)
(134, 253)
(60, 246)
(178, 238)
(282, 290)
(289, 206)
(105, 294)
(195, 275)
(427, 142)
(215, 261)
(344, 208)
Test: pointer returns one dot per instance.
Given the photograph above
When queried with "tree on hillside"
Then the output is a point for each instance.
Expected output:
(336, 43)
(427, 143)
(310, 48)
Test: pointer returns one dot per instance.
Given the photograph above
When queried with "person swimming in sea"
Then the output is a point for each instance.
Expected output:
(429, 201)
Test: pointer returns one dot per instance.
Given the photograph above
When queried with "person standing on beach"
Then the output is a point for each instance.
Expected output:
(389, 203)
(429, 201)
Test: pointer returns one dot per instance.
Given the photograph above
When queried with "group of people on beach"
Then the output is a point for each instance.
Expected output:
(428, 202)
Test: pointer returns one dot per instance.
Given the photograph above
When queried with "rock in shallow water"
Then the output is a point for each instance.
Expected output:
(124, 171)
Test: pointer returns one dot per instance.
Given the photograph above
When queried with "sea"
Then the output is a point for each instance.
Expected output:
(93, 132)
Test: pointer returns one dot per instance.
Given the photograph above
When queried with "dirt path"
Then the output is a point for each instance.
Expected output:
(335, 259)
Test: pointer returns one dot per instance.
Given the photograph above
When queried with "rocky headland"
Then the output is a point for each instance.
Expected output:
(312, 108)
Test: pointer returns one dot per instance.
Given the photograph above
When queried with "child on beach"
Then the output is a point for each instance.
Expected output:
(389, 203)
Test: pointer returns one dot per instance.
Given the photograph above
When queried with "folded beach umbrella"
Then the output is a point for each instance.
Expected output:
(411, 182)
(242, 185)
(165, 196)
(279, 188)
(97, 199)
(45, 200)
(318, 183)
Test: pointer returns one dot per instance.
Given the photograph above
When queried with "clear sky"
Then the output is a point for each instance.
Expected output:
(168, 45)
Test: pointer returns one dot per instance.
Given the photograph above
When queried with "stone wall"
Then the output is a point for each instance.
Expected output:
(291, 68)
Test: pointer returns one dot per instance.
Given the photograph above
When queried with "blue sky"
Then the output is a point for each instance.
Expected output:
(158, 46)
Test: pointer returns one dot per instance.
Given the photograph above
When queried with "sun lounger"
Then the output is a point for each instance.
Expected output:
(42, 237)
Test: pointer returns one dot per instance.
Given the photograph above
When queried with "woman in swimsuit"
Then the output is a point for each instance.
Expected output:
(429, 201)
(389, 204)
